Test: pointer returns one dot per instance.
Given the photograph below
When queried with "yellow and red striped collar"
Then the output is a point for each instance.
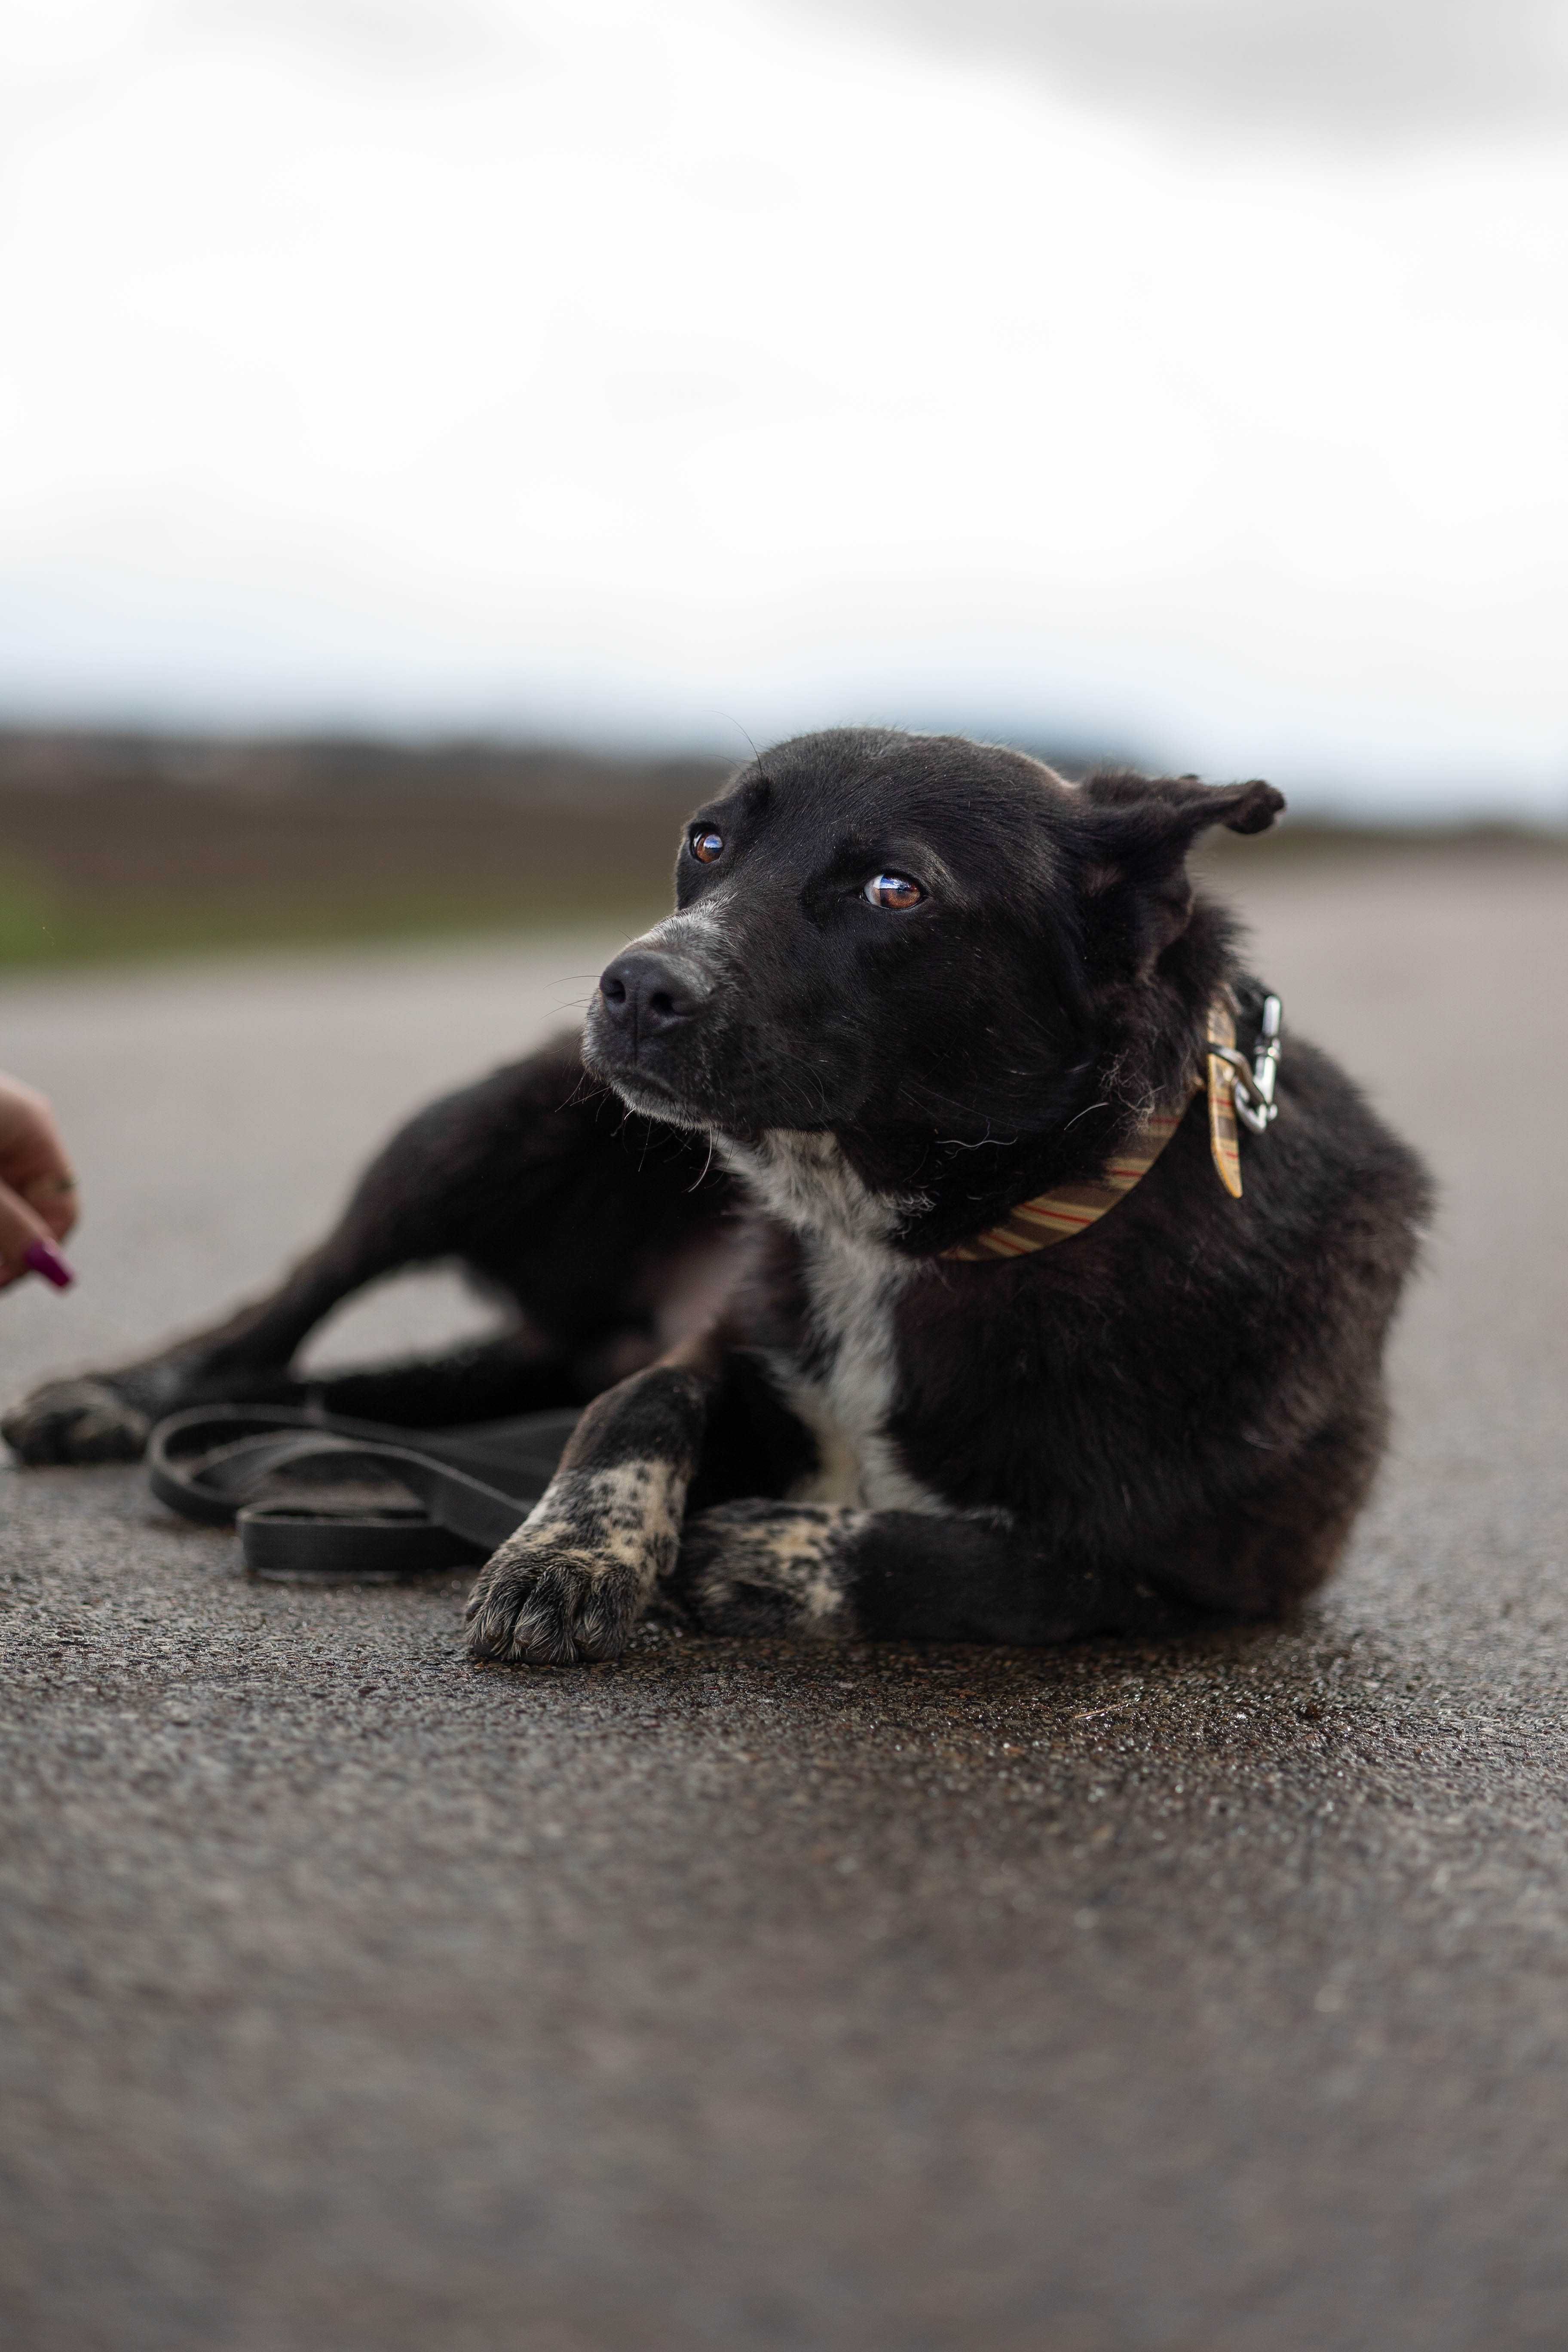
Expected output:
(1058, 1217)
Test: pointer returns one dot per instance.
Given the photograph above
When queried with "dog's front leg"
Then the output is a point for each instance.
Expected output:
(575, 1578)
(824, 1572)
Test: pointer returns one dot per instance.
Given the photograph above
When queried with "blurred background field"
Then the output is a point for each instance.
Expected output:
(138, 848)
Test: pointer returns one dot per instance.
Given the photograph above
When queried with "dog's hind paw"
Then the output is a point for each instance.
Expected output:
(540, 1605)
(76, 1420)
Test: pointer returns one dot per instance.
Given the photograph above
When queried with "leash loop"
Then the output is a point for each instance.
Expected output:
(463, 1490)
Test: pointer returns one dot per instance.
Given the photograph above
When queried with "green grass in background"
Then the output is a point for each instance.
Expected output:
(40, 929)
(29, 914)
(128, 849)
(134, 848)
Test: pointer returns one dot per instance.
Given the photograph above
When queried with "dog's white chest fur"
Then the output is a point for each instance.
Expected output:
(852, 1295)
(843, 1387)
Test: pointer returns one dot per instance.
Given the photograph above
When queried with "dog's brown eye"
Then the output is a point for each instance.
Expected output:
(893, 890)
(706, 844)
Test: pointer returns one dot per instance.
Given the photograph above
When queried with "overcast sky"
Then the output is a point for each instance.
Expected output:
(1187, 375)
(1379, 73)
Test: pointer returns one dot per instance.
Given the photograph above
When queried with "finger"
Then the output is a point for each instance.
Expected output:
(31, 1144)
(20, 1228)
(26, 1243)
(27, 1122)
(57, 1200)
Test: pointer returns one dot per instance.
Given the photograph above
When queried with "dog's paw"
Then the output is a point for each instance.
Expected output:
(76, 1420)
(539, 1603)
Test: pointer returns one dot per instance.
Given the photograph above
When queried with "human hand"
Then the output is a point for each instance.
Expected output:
(37, 1189)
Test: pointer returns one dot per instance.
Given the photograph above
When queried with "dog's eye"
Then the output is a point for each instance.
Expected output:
(895, 891)
(705, 845)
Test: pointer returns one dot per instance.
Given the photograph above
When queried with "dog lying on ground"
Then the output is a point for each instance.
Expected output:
(875, 1220)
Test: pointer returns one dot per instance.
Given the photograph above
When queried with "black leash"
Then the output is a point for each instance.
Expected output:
(224, 1464)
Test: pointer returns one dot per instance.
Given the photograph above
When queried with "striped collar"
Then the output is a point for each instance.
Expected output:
(1058, 1216)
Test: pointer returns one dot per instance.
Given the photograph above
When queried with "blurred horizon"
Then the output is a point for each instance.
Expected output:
(1184, 379)
(129, 847)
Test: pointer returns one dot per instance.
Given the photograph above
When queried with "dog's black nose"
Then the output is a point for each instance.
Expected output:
(646, 993)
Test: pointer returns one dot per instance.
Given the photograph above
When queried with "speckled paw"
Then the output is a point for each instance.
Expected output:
(76, 1420)
(542, 1605)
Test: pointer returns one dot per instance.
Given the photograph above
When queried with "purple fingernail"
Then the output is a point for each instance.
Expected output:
(50, 1264)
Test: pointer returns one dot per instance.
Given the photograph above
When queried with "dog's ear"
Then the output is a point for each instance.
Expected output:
(1137, 832)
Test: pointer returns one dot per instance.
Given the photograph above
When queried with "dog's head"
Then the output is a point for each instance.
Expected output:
(879, 933)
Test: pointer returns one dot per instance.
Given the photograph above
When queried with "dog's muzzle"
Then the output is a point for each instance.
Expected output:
(647, 994)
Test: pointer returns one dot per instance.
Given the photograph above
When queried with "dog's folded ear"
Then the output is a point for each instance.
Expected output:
(1136, 834)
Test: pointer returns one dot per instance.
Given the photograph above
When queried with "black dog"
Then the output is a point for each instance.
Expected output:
(922, 1007)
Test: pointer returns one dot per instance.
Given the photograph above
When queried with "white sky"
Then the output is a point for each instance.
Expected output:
(709, 365)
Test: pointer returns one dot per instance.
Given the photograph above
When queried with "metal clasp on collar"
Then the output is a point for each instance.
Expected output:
(1252, 1090)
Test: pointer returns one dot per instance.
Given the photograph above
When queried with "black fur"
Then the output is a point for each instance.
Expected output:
(802, 1097)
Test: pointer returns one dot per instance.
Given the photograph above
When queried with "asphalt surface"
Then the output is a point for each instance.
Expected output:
(1210, 1997)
